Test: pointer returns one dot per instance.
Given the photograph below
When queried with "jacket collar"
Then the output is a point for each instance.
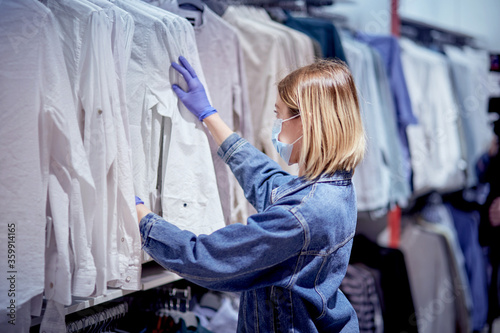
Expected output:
(300, 182)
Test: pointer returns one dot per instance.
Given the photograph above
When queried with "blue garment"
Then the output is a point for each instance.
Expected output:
(400, 188)
(321, 30)
(389, 49)
(288, 261)
(467, 226)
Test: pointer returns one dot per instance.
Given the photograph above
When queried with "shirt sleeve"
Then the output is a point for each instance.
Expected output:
(235, 258)
(241, 105)
(256, 172)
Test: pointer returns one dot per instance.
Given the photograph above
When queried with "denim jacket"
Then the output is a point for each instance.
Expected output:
(287, 261)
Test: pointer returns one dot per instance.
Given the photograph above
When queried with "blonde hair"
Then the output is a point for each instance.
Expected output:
(325, 96)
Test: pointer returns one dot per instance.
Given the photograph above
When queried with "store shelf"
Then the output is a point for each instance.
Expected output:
(156, 276)
(153, 275)
(81, 303)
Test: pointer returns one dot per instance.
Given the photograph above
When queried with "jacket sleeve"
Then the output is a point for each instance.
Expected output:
(256, 172)
(235, 258)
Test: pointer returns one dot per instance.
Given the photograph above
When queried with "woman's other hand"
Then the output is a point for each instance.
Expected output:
(494, 212)
(141, 209)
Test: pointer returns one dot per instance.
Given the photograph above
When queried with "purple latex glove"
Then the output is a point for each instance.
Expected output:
(138, 201)
(195, 99)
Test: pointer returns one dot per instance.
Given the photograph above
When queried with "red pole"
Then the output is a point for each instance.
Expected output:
(395, 21)
(394, 224)
(394, 215)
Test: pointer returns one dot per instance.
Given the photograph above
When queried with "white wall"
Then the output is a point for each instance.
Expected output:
(479, 18)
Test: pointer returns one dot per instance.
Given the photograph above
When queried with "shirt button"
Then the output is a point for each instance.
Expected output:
(99, 111)
(51, 285)
(128, 279)
(123, 239)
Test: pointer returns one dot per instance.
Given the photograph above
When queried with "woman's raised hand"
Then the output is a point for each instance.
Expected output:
(195, 99)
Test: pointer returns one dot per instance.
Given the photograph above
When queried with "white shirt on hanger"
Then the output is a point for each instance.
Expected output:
(86, 30)
(301, 46)
(221, 58)
(42, 153)
(124, 253)
(436, 154)
(189, 196)
(203, 213)
(470, 76)
(266, 63)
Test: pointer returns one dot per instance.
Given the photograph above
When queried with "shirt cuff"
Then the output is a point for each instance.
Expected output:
(229, 146)
(131, 278)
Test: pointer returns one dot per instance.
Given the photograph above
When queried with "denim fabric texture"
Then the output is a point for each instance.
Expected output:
(287, 261)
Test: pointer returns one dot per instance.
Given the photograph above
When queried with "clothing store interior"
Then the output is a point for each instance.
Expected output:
(425, 255)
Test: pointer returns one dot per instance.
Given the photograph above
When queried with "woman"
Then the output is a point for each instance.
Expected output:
(289, 260)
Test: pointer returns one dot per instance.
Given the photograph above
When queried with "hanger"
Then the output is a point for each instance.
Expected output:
(278, 14)
(197, 4)
(99, 321)
(109, 318)
(175, 310)
(103, 321)
(219, 7)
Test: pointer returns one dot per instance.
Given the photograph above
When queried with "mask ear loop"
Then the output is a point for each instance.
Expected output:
(297, 115)
(300, 137)
(292, 117)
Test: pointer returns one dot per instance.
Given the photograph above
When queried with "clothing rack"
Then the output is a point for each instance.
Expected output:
(275, 3)
(429, 34)
(100, 320)
(341, 21)
(303, 6)
(307, 8)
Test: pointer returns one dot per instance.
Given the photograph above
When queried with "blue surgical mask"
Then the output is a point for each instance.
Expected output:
(284, 149)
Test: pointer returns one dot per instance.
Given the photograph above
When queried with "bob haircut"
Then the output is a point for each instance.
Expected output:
(324, 94)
